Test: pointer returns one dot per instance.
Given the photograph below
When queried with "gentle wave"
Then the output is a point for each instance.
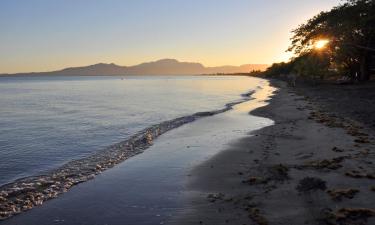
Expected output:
(23, 194)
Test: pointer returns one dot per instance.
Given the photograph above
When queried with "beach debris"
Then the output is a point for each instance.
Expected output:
(338, 194)
(279, 172)
(348, 216)
(215, 197)
(352, 128)
(254, 214)
(355, 132)
(336, 149)
(311, 184)
(332, 164)
(364, 152)
(362, 140)
(359, 174)
(304, 155)
(255, 180)
(326, 119)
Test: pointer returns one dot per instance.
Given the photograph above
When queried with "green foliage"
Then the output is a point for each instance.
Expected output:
(277, 69)
(350, 29)
(312, 65)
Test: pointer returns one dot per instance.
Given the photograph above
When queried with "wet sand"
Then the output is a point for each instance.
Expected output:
(308, 168)
(26, 193)
(151, 188)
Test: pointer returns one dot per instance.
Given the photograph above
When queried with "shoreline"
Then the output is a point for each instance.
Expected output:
(150, 188)
(307, 168)
(26, 193)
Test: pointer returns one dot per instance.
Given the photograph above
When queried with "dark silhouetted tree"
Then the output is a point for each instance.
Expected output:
(350, 28)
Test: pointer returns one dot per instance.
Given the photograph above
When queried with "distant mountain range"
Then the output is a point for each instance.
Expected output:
(160, 67)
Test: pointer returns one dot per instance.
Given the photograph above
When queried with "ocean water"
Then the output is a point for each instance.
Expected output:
(46, 122)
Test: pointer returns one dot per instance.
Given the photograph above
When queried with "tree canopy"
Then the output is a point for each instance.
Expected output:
(349, 30)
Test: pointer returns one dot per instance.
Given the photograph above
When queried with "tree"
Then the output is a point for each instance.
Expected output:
(350, 28)
(312, 65)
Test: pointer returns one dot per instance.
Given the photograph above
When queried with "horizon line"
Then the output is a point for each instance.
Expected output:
(111, 63)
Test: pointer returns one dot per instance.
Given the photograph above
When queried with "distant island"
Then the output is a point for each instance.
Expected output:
(160, 67)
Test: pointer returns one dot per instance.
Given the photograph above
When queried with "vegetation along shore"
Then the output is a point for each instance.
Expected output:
(316, 164)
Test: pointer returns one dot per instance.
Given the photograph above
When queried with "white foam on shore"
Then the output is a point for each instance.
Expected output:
(16, 195)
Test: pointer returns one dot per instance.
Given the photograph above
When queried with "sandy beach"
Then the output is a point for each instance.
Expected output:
(311, 167)
(187, 112)
(114, 135)
(152, 187)
(290, 162)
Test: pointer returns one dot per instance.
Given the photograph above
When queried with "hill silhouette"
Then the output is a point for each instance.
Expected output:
(159, 67)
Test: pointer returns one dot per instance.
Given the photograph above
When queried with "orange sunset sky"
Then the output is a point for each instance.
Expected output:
(42, 35)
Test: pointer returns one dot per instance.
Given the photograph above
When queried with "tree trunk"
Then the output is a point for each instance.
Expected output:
(365, 67)
(354, 70)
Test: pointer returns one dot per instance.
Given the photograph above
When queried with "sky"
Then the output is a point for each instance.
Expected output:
(46, 35)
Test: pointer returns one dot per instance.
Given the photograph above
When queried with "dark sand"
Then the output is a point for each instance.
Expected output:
(150, 188)
(311, 167)
(349, 101)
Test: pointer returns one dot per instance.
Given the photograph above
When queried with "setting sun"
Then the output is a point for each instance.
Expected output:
(320, 44)
(187, 112)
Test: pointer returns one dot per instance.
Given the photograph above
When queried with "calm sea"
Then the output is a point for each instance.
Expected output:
(48, 121)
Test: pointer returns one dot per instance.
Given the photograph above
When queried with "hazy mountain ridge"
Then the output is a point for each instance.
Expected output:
(160, 67)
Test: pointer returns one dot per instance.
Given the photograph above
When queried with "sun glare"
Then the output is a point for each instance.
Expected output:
(320, 44)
